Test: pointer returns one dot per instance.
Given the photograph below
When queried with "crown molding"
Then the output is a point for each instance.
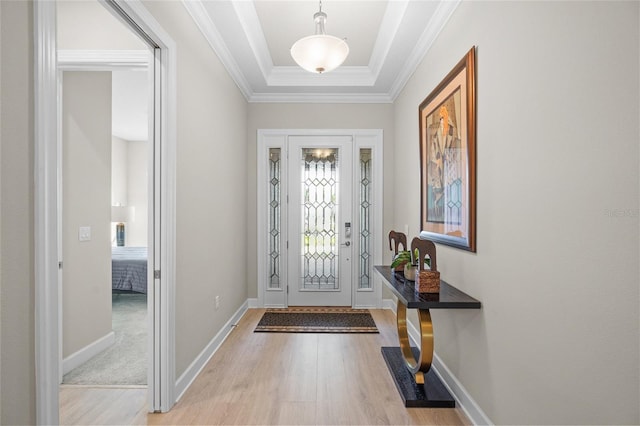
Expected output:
(432, 31)
(322, 98)
(250, 22)
(208, 29)
(287, 76)
(291, 76)
(389, 27)
(84, 60)
(343, 76)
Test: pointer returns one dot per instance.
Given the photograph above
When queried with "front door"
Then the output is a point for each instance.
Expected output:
(319, 221)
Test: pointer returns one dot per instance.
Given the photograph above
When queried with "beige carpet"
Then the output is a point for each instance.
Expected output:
(124, 362)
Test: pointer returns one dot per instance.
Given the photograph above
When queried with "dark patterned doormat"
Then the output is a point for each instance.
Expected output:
(317, 320)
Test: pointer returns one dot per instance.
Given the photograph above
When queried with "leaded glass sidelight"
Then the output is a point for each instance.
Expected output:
(273, 280)
(319, 219)
(364, 255)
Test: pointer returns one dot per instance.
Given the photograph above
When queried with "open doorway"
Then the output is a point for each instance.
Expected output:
(105, 339)
(47, 200)
(106, 208)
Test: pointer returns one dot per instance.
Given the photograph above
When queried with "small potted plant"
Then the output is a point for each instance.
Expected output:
(410, 263)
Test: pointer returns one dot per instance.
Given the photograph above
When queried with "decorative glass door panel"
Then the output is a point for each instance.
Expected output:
(319, 233)
(320, 221)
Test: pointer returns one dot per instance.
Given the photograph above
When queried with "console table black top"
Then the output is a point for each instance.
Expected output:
(448, 298)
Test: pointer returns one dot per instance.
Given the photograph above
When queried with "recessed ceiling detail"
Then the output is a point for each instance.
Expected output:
(387, 41)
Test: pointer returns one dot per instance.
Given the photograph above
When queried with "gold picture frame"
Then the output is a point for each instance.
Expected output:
(447, 120)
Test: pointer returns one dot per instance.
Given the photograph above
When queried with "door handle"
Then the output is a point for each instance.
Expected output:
(347, 244)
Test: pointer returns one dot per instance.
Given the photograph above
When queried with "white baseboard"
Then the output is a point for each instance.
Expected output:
(389, 304)
(253, 303)
(190, 374)
(78, 358)
(463, 399)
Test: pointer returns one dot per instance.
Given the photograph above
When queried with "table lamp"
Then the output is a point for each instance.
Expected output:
(120, 215)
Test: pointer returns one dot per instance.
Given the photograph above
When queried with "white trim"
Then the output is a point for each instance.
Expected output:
(265, 141)
(250, 23)
(164, 304)
(252, 303)
(284, 76)
(186, 379)
(45, 212)
(432, 30)
(322, 98)
(463, 398)
(389, 304)
(99, 60)
(389, 27)
(60, 194)
(374, 140)
(83, 355)
(203, 22)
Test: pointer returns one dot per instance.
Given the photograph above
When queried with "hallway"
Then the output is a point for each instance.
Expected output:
(278, 378)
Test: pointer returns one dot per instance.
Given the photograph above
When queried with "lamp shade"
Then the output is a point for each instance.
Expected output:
(120, 214)
(320, 52)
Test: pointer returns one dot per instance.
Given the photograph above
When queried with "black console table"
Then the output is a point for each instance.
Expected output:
(410, 367)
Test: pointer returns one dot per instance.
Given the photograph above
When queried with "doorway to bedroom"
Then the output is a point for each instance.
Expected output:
(105, 187)
(104, 176)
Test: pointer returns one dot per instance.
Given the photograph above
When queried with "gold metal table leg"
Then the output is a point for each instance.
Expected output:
(421, 366)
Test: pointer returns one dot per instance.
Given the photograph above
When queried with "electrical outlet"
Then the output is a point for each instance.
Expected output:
(217, 302)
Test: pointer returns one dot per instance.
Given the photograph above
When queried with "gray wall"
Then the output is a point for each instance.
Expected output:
(211, 189)
(130, 187)
(557, 272)
(88, 25)
(315, 116)
(17, 356)
(137, 192)
(86, 181)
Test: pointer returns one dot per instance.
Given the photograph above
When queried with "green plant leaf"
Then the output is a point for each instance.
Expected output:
(401, 258)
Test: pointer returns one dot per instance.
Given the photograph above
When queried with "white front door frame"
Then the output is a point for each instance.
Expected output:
(46, 205)
(278, 138)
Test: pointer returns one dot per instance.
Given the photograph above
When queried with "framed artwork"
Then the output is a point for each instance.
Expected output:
(448, 158)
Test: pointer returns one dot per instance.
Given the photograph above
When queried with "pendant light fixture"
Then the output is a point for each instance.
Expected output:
(320, 52)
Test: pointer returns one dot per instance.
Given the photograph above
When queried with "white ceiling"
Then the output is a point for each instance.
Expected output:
(129, 105)
(387, 41)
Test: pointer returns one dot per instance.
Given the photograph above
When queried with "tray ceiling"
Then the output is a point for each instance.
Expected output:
(387, 40)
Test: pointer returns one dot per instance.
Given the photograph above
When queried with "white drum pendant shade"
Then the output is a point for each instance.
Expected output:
(320, 53)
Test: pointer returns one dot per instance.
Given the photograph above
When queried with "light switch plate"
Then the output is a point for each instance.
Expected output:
(84, 233)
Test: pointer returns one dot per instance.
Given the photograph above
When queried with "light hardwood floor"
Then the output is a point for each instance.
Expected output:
(274, 378)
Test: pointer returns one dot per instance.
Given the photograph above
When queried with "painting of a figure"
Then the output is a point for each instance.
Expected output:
(448, 158)
(444, 180)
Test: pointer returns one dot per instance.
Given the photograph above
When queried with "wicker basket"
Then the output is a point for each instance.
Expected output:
(428, 282)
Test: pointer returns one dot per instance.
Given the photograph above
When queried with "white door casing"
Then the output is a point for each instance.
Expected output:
(273, 250)
(47, 210)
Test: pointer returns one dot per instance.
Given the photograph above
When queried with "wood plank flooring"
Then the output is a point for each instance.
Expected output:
(274, 378)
